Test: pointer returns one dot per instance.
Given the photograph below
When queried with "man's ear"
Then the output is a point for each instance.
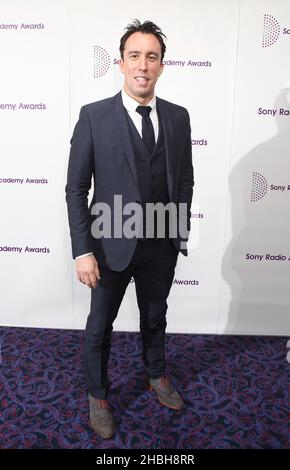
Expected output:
(161, 69)
(121, 65)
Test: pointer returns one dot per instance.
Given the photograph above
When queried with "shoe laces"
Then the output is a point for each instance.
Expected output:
(103, 404)
(164, 382)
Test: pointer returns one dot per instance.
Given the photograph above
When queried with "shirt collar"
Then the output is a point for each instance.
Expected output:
(131, 104)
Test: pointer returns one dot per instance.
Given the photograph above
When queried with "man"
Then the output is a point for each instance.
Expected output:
(137, 147)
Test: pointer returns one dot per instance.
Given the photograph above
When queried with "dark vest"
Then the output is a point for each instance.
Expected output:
(151, 171)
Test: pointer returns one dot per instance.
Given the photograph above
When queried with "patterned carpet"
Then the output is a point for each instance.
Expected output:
(235, 388)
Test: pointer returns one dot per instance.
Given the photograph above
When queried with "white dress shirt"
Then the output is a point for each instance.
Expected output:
(131, 105)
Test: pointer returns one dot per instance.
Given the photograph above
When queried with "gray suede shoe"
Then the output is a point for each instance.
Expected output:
(101, 418)
(166, 393)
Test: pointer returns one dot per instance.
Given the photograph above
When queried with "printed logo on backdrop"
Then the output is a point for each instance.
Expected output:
(266, 257)
(197, 215)
(188, 63)
(24, 249)
(199, 142)
(101, 61)
(23, 106)
(182, 63)
(179, 282)
(21, 26)
(260, 187)
(22, 181)
(272, 30)
(274, 112)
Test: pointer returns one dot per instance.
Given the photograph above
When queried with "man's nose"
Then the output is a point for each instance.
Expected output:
(142, 63)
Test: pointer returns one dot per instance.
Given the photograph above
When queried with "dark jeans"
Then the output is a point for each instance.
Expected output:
(152, 267)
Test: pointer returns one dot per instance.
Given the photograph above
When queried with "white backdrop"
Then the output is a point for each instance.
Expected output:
(227, 61)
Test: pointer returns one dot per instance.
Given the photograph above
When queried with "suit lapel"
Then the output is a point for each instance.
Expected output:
(123, 132)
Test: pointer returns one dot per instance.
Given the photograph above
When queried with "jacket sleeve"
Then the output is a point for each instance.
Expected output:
(186, 178)
(79, 178)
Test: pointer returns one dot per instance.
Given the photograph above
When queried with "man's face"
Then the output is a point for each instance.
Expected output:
(141, 66)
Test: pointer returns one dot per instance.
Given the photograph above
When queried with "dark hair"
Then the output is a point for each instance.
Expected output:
(146, 27)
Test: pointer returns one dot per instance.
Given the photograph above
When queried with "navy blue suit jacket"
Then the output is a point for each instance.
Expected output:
(101, 148)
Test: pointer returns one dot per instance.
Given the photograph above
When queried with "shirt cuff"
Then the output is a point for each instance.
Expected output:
(83, 256)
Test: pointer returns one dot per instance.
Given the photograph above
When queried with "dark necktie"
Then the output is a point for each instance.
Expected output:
(147, 128)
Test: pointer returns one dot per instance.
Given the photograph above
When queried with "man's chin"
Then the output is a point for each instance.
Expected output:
(140, 93)
(144, 93)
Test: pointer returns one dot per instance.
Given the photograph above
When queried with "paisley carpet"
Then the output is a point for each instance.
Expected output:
(235, 389)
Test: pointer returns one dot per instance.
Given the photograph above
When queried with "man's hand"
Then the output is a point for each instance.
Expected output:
(88, 271)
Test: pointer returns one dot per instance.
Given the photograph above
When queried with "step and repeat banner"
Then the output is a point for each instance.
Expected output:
(227, 62)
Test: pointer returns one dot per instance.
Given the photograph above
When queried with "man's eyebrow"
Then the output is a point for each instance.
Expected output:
(147, 53)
